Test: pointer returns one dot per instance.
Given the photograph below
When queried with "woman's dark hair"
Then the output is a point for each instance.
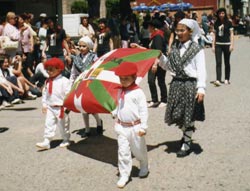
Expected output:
(218, 13)
(221, 10)
(57, 28)
(103, 20)
(179, 15)
(2, 58)
(156, 23)
(24, 16)
(2, 19)
(84, 18)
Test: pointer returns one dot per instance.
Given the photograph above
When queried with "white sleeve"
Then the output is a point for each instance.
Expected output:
(66, 86)
(143, 110)
(80, 30)
(44, 95)
(201, 72)
(73, 75)
(43, 71)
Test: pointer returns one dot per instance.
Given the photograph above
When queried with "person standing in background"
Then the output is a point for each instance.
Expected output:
(56, 43)
(86, 29)
(223, 43)
(10, 30)
(103, 41)
(157, 41)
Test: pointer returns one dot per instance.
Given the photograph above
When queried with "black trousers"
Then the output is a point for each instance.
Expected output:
(219, 50)
(160, 75)
(38, 78)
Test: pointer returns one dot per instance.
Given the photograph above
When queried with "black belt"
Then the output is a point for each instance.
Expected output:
(184, 79)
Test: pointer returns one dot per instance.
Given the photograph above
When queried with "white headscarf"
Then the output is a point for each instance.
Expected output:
(194, 26)
(87, 41)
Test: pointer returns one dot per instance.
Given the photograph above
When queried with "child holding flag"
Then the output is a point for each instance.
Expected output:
(54, 93)
(131, 124)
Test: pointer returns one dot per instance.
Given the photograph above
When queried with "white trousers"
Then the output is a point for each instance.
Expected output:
(129, 141)
(53, 121)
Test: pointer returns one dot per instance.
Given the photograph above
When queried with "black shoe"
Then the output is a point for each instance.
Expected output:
(183, 153)
(85, 134)
(99, 129)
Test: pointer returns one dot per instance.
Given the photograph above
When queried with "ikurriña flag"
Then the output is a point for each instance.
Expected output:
(95, 90)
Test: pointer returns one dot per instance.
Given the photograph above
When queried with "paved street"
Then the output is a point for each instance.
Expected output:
(221, 161)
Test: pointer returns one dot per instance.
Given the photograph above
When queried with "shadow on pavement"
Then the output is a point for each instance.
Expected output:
(53, 144)
(3, 129)
(20, 109)
(100, 148)
(174, 146)
(81, 132)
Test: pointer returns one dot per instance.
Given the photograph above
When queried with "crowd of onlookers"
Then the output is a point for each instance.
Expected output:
(25, 45)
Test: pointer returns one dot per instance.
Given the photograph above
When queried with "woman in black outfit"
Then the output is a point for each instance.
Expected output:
(222, 44)
(157, 41)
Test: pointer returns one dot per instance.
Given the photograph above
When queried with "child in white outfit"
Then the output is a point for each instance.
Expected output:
(131, 124)
(57, 87)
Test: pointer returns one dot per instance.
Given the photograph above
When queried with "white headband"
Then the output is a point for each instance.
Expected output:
(194, 26)
(87, 41)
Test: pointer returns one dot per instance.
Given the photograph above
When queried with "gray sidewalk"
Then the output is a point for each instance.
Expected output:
(221, 160)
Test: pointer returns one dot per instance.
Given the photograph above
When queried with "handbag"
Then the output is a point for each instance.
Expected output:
(8, 44)
(199, 111)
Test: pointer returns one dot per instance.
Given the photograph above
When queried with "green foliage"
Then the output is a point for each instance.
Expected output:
(113, 7)
(80, 6)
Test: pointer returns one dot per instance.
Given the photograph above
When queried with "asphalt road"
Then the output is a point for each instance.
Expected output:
(221, 160)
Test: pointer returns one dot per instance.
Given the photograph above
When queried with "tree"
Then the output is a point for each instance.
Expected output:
(79, 7)
(94, 8)
(125, 8)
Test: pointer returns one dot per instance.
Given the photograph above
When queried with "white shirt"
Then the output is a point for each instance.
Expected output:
(11, 31)
(133, 107)
(2, 78)
(196, 68)
(86, 31)
(60, 89)
(40, 69)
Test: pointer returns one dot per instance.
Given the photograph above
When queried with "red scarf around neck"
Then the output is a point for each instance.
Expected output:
(50, 82)
(157, 32)
(124, 89)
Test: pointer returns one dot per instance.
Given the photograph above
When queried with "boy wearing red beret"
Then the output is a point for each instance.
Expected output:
(131, 123)
(57, 87)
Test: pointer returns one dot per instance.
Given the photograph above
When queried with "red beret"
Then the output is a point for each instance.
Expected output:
(126, 69)
(54, 62)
